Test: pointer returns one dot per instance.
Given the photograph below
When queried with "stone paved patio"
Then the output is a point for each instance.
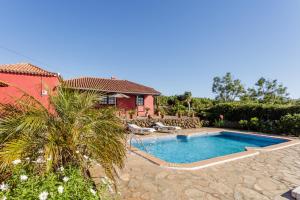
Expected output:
(269, 175)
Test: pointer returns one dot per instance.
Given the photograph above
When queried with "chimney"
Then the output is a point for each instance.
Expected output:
(113, 78)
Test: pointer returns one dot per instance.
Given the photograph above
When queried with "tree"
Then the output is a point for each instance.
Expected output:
(187, 97)
(72, 132)
(226, 88)
(268, 91)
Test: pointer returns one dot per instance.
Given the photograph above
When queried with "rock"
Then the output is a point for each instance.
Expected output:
(211, 197)
(148, 186)
(146, 196)
(161, 175)
(171, 177)
(257, 187)
(192, 192)
(125, 177)
(267, 184)
(133, 184)
(249, 180)
(242, 193)
(185, 123)
(136, 194)
(220, 187)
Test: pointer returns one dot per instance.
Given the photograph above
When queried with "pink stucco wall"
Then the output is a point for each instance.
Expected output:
(32, 85)
(127, 104)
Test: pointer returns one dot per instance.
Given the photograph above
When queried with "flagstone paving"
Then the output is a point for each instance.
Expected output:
(269, 175)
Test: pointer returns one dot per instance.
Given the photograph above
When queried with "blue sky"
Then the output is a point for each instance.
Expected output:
(171, 45)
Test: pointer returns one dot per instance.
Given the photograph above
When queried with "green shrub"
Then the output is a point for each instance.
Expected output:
(258, 117)
(269, 126)
(236, 111)
(68, 183)
(290, 123)
(254, 123)
(219, 123)
(243, 124)
(205, 123)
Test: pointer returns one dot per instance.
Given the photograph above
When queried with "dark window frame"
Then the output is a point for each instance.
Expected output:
(107, 100)
(140, 100)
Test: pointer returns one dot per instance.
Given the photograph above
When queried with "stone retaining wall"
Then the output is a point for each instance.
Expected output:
(184, 123)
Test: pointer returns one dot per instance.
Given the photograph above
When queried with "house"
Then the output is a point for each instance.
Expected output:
(17, 79)
(123, 94)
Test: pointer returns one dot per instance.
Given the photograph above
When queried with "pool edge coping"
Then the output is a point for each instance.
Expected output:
(250, 151)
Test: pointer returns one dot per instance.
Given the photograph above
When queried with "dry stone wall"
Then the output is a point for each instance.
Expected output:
(184, 123)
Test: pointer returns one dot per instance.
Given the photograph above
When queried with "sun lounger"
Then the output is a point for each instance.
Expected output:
(162, 128)
(139, 130)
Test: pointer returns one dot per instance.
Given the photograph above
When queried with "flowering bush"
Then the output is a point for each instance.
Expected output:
(68, 183)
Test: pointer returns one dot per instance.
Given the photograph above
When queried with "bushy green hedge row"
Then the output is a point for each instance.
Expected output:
(238, 111)
(256, 117)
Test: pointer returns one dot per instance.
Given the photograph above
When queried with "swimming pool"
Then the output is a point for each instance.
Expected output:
(189, 149)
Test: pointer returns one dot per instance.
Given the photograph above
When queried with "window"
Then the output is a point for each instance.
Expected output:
(103, 100)
(108, 100)
(112, 100)
(139, 100)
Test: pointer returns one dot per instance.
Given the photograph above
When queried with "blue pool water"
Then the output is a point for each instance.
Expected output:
(187, 149)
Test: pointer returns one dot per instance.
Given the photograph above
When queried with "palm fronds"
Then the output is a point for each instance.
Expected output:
(71, 131)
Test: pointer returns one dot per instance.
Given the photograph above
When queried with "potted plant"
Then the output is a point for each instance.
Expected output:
(192, 113)
(131, 113)
(147, 111)
(158, 111)
(179, 110)
(162, 113)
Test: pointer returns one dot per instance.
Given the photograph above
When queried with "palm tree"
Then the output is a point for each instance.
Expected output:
(188, 99)
(71, 131)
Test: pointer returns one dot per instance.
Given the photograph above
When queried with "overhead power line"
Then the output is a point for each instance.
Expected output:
(22, 55)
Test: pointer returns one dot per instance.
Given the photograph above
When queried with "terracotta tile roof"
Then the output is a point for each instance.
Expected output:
(25, 68)
(109, 85)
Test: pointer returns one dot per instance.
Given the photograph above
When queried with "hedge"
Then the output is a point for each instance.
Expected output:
(238, 111)
(257, 117)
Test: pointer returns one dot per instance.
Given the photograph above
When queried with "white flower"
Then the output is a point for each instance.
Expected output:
(77, 151)
(23, 177)
(104, 181)
(39, 160)
(85, 156)
(3, 198)
(107, 182)
(60, 189)
(43, 195)
(15, 162)
(3, 187)
(61, 169)
(93, 192)
(110, 189)
(65, 179)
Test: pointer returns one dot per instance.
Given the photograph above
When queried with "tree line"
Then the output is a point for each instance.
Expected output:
(227, 88)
